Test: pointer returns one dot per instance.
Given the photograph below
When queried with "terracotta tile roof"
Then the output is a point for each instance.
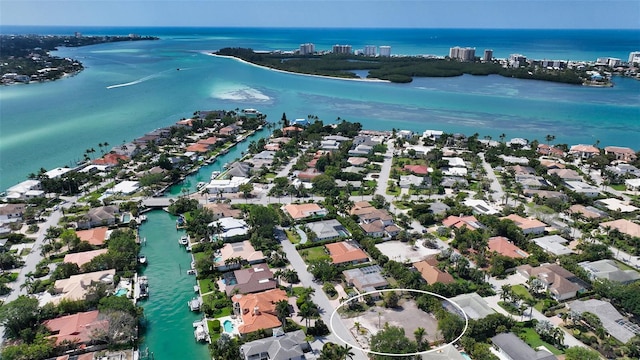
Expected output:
(417, 169)
(95, 236)
(624, 226)
(371, 228)
(198, 147)
(84, 257)
(289, 129)
(110, 159)
(552, 164)
(581, 148)
(361, 208)
(212, 140)
(459, 222)
(503, 246)
(430, 272)
(301, 211)
(258, 311)
(224, 210)
(187, 122)
(355, 161)
(76, 327)
(343, 252)
(525, 223)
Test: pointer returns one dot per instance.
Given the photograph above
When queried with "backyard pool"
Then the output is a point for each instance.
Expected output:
(228, 326)
(465, 355)
(121, 292)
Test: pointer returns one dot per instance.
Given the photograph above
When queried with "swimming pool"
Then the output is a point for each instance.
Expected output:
(228, 326)
(465, 355)
(217, 259)
(121, 292)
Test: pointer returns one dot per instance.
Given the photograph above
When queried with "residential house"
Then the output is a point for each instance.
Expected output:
(129, 149)
(561, 283)
(346, 252)
(548, 150)
(582, 188)
(220, 186)
(527, 225)
(470, 222)
(501, 245)
(360, 150)
(608, 269)
(229, 228)
(222, 210)
(100, 216)
(82, 258)
(308, 175)
(545, 194)
(438, 208)
(531, 181)
(511, 347)
(77, 286)
(624, 170)
(584, 151)
(473, 305)
(239, 169)
(553, 244)
(613, 322)
(290, 130)
(357, 161)
(285, 346)
(632, 184)
(417, 169)
(448, 352)
(255, 279)
(78, 328)
(407, 181)
(432, 134)
(95, 236)
(428, 268)
(623, 225)
(229, 130)
(304, 211)
(480, 207)
(258, 311)
(587, 212)
(366, 279)
(621, 153)
(613, 204)
(263, 158)
(11, 212)
(243, 250)
(452, 182)
(565, 174)
(552, 164)
(327, 230)
(28, 189)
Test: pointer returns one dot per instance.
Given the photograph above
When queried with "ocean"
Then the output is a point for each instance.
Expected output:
(130, 88)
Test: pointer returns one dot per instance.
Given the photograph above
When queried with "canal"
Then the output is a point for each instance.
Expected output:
(169, 333)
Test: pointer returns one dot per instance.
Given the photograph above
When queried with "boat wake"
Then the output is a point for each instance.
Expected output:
(134, 82)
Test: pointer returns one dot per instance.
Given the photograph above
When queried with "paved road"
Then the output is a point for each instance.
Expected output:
(320, 298)
(495, 186)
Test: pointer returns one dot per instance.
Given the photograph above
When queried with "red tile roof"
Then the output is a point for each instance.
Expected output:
(430, 272)
(95, 236)
(76, 327)
(504, 247)
(110, 159)
(258, 311)
(417, 169)
(344, 252)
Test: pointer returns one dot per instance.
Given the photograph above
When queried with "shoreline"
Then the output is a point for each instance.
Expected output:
(296, 73)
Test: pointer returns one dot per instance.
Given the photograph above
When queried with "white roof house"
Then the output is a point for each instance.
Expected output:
(231, 227)
(582, 188)
(553, 244)
(226, 185)
(614, 204)
(21, 190)
(480, 207)
(124, 187)
(632, 184)
(57, 172)
(455, 161)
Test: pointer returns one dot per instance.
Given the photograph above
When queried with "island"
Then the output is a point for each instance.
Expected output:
(402, 69)
(26, 58)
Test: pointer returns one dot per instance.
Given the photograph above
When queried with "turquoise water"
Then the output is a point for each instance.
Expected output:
(228, 326)
(129, 88)
(465, 355)
(169, 322)
(121, 292)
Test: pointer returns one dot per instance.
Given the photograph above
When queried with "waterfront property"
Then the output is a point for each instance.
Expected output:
(281, 346)
(80, 328)
(257, 278)
(84, 257)
(258, 311)
(77, 286)
(242, 250)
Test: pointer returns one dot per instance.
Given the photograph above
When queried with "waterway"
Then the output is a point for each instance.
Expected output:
(169, 332)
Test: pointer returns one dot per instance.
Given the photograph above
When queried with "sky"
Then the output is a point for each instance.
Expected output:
(521, 14)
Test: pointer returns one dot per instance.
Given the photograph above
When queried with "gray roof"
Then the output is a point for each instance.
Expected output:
(327, 229)
(366, 278)
(241, 169)
(517, 349)
(608, 269)
(615, 324)
(473, 305)
(287, 346)
(438, 207)
(446, 353)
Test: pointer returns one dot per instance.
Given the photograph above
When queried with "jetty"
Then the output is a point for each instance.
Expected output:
(201, 331)
(195, 304)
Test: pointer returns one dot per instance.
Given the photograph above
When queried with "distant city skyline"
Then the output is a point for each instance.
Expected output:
(485, 14)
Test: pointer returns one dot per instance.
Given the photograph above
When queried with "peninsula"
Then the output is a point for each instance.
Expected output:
(402, 69)
(26, 58)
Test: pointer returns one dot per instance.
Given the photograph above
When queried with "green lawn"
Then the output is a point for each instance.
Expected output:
(314, 253)
(293, 236)
(206, 285)
(533, 339)
(619, 187)
(298, 290)
(624, 266)
(269, 176)
(522, 291)
(199, 255)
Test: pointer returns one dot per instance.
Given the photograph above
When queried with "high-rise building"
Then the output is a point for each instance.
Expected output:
(307, 49)
(634, 57)
(517, 60)
(370, 50)
(385, 51)
(462, 54)
(341, 49)
(488, 55)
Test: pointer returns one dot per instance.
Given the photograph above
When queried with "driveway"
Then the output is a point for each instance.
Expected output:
(320, 298)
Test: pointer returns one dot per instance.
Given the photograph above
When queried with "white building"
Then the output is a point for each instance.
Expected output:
(27, 189)
(517, 60)
(462, 54)
(230, 227)
(634, 57)
(226, 186)
(124, 187)
(341, 49)
(307, 49)
(370, 50)
(57, 172)
(385, 51)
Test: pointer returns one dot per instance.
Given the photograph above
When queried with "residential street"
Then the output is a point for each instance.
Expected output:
(320, 298)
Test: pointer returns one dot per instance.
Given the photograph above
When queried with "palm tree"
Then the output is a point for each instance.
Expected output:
(282, 310)
(506, 293)
(549, 138)
(419, 334)
(344, 352)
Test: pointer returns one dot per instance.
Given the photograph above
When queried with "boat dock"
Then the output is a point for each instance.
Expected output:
(201, 331)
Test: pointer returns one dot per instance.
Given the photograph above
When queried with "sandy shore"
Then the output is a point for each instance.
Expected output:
(295, 73)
